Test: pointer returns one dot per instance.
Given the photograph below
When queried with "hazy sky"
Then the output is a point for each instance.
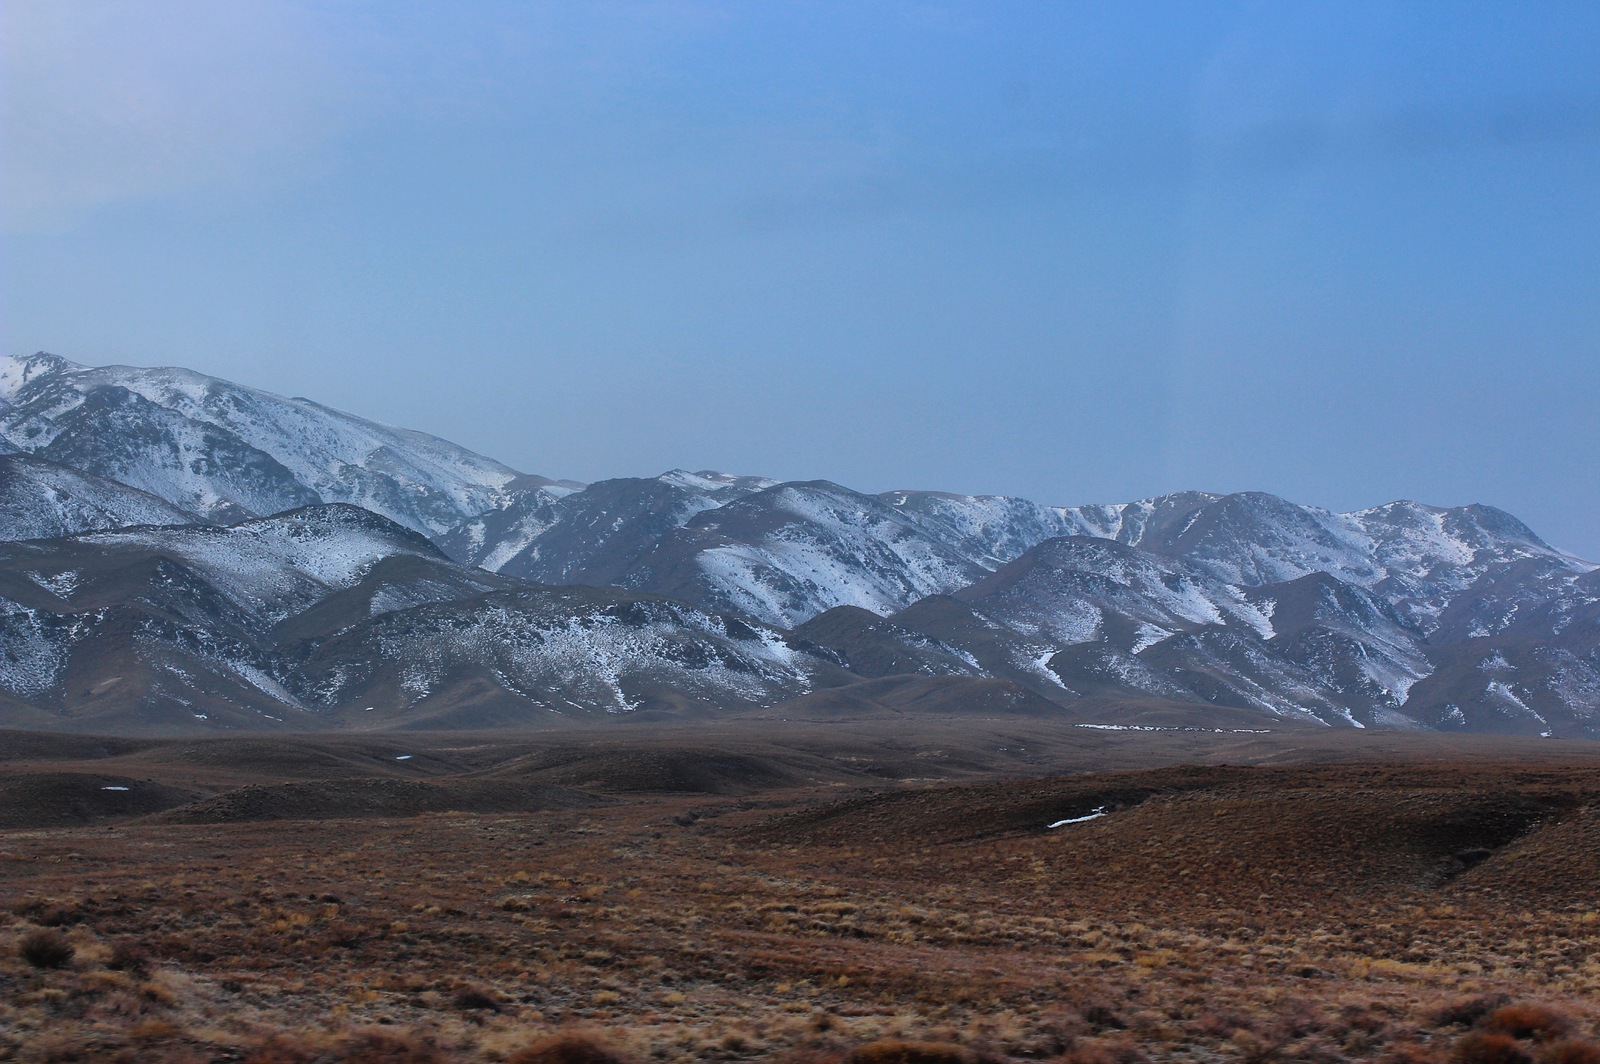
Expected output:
(1080, 252)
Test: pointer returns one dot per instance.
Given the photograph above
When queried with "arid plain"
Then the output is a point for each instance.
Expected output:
(887, 890)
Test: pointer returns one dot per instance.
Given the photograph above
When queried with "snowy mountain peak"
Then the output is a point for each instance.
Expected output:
(656, 588)
(225, 451)
(16, 371)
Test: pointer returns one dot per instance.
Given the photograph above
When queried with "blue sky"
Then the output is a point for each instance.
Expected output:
(1080, 252)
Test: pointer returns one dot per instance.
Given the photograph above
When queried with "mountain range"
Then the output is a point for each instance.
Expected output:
(185, 554)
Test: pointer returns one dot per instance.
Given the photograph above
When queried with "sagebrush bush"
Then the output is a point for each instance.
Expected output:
(899, 1051)
(569, 1048)
(1538, 1022)
(46, 949)
(1102, 1017)
(1468, 1011)
(385, 1047)
(1489, 1047)
(57, 916)
(475, 999)
(1569, 1051)
(1409, 1052)
(129, 956)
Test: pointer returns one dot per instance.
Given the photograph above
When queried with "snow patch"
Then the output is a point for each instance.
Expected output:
(1099, 812)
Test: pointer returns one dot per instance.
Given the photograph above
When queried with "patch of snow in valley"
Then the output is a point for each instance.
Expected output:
(61, 585)
(1037, 661)
(1148, 635)
(1099, 812)
(1507, 696)
(1496, 662)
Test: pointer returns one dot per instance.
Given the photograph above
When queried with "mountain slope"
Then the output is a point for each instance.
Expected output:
(539, 654)
(40, 499)
(226, 452)
(169, 626)
(594, 536)
(788, 552)
(1416, 556)
(778, 552)
(692, 591)
(308, 618)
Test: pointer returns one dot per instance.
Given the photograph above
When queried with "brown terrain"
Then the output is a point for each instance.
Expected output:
(878, 892)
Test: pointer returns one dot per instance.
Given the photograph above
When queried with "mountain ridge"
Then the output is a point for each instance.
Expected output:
(225, 451)
(513, 597)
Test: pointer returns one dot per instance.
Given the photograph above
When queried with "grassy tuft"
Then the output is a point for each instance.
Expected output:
(46, 949)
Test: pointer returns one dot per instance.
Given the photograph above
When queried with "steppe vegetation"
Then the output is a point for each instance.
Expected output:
(1411, 911)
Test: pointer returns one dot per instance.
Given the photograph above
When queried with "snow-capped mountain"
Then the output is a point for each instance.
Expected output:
(1415, 555)
(401, 573)
(226, 452)
(1084, 617)
(786, 552)
(136, 615)
(1080, 620)
(1076, 589)
(779, 552)
(1517, 652)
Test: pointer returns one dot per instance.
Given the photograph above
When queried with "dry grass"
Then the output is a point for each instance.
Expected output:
(1223, 914)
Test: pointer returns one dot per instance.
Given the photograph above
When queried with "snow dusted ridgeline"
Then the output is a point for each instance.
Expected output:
(289, 621)
(714, 590)
(782, 553)
(596, 536)
(41, 499)
(225, 452)
(791, 551)
(266, 569)
(567, 652)
(1416, 556)
(1114, 620)
(173, 626)
(787, 552)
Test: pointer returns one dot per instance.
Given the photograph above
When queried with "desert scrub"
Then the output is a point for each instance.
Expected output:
(1569, 1051)
(900, 1051)
(574, 1048)
(360, 1047)
(1489, 1047)
(1538, 1022)
(46, 949)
